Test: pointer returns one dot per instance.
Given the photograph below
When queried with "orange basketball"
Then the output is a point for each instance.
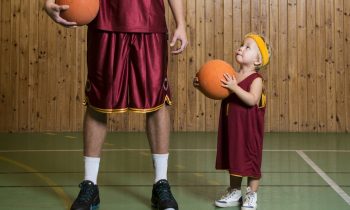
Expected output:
(80, 11)
(209, 77)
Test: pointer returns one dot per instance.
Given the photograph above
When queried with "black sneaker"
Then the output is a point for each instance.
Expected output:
(162, 197)
(88, 198)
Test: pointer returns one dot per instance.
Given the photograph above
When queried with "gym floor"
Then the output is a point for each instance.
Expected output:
(300, 171)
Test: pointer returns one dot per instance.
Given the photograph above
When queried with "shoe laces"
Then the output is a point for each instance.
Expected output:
(163, 192)
(229, 193)
(87, 192)
(250, 199)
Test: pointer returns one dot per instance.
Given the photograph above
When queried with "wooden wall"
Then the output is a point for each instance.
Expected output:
(43, 68)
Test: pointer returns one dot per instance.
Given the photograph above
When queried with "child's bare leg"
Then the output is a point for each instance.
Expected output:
(235, 182)
(253, 183)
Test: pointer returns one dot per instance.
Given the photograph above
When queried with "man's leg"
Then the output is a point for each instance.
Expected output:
(157, 126)
(95, 129)
(158, 131)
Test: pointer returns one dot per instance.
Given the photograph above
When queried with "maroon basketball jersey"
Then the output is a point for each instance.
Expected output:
(131, 16)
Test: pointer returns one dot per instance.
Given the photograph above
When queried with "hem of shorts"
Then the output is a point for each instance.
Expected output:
(167, 101)
(239, 175)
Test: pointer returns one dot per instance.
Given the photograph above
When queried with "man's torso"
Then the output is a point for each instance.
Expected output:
(138, 16)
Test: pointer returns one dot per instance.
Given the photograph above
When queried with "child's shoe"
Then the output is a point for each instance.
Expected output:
(250, 199)
(232, 197)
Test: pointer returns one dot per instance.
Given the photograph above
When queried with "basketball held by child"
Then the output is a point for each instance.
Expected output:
(80, 11)
(210, 76)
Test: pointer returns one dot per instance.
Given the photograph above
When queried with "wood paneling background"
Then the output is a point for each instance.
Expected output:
(43, 67)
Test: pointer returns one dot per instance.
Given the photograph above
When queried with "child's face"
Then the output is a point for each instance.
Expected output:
(248, 53)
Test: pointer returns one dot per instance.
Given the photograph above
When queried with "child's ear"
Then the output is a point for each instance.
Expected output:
(258, 62)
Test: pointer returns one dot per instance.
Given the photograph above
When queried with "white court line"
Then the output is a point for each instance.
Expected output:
(178, 150)
(140, 150)
(324, 176)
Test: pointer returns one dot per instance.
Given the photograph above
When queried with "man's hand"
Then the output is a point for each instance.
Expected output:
(54, 10)
(196, 82)
(179, 34)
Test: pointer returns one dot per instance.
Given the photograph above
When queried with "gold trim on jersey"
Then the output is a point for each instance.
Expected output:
(136, 110)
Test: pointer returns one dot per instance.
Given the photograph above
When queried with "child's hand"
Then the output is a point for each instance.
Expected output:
(229, 82)
(195, 82)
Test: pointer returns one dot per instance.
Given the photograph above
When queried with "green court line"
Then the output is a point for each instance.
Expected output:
(58, 190)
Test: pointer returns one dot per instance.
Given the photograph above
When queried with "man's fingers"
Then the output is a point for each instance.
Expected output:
(65, 22)
(64, 7)
(173, 42)
(182, 48)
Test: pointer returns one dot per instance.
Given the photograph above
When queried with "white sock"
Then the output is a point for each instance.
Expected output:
(92, 165)
(160, 164)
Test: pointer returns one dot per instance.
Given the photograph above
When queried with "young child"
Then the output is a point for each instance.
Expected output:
(241, 126)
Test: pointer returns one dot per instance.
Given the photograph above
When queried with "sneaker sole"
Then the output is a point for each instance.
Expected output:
(155, 206)
(223, 205)
(249, 208)
(95, 207)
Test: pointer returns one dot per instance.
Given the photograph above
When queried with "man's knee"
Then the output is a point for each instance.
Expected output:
(160, 112)
(96, 115)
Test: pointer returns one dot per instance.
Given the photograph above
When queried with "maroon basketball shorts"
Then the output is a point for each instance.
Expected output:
(127, 71)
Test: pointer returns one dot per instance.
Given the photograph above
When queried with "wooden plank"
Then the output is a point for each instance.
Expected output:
(339, 66)
(200, 59)
(219, 48)
(172, 73)
(49, 76)
(302, 66)
(246, 16)
(255, 16)
(232, 35)
(283, 66)
(6, 92)
(72, 80)
(15, 63)
(2, 107)
(23, 55)
(347, 61)
(265, 31)
(173, 76)
(191, 66)
(61, 78)
(209, 55)
(311, 63)
(33, 45)
(81, 69)
(41, 104)
(273, 88)
(292, 66)
(330, 59)
(182, 87)
(321, 66)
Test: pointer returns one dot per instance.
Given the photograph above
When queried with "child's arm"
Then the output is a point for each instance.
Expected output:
(180, 32)
(252, 97)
